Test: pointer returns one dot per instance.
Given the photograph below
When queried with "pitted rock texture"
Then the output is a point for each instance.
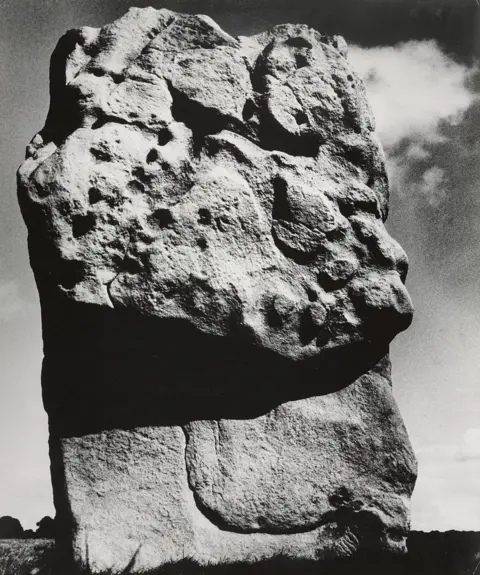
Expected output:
(234, 183)
(218, 289)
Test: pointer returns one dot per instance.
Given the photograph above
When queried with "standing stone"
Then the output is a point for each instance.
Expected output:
(218, 290)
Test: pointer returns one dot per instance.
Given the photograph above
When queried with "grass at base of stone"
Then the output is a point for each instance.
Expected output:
(449, 553)
(371, 565)
(39, 557)
(21, 557)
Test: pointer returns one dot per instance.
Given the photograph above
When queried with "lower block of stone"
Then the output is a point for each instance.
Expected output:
(313, 479)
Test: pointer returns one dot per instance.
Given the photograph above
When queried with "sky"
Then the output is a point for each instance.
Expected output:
(419, 59)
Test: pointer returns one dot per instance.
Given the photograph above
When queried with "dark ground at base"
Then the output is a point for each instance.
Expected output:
(434, 553)
(21, 556)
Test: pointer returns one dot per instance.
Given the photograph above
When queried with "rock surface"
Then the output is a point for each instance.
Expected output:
(206, 227)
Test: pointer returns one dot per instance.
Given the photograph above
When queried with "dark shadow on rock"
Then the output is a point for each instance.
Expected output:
(106, 369)
(434, 553)
(372, 564)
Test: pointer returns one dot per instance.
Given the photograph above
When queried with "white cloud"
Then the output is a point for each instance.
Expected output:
(429, 183)
(432, 184)
(416, 151)
(413, 87)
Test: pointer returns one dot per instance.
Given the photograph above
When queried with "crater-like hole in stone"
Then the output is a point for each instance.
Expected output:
(81, 225)
(371, 182)
(204, 216)
(94, 195)
(274, 319)
(163, 217)
(248, 110)
(139, 173)
(164, 136)
(339, 92)
(71, 273)
(329, 283)
(346, 208)
(136, 186)
(281, 209)
(98, 73)
(308, 330)
(350, 121)
(355, 156)
(301, 118)
(118, 78)
(301, 60)
(350, 78)
(152, 156)
(202, 243)
(100, 155)
(298, 42)
(312, 295)
(132, 266)
(41, 192)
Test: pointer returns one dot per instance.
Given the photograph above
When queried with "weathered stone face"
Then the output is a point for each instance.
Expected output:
(236, 184)
(206, 227)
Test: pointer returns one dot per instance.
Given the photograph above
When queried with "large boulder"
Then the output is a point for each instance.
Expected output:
(206, 228)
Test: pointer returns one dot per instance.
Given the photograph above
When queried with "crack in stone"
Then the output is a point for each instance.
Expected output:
(106, 118)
